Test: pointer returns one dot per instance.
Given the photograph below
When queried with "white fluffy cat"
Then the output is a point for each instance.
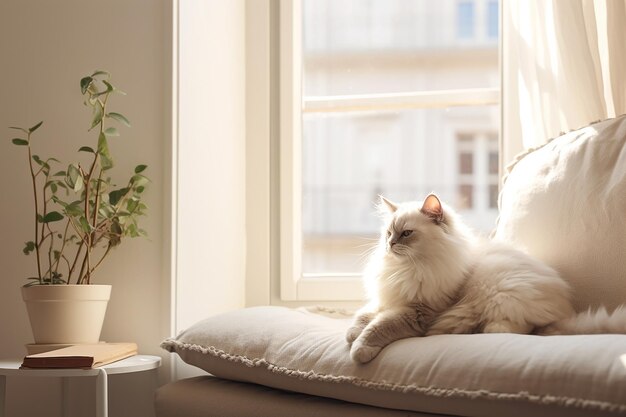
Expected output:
(430, 275)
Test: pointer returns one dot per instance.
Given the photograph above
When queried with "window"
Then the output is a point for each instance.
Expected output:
(378, 97)
(478, 168)
(465, 19)
(493, 19)
(465, 199)
(493, 196)
(466, 163)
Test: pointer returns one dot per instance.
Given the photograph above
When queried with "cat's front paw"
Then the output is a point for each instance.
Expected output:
(352, 333)
(364, 353)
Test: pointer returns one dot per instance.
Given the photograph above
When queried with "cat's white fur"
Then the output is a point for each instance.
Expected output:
(442, 274)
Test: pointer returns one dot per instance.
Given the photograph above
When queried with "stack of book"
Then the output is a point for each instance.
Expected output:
(80, 356)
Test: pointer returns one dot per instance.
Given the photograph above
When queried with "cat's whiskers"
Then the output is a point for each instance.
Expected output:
(368, 252)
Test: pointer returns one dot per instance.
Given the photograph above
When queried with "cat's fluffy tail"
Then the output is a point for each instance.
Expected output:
(589, 322)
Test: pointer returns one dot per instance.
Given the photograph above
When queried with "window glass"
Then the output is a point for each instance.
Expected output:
(357, 47)
(350, 159)
(466, 162)
(493, 162)
(465, 19)
(465, 197)
(493, 196)
(391, 46)
(492, 19)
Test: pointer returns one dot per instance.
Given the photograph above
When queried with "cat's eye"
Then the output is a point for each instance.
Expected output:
(388, 233)
(406, 233)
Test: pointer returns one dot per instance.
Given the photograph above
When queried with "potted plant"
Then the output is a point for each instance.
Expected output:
(79, 215)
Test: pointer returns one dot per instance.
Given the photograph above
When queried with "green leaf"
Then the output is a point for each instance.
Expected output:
(32, 129)
(84, 224)
(38, 160)
(74, 178)
(86, 149)
(116, 228)
(100, 72)
(53, 187)
(53, 216)
(85, 83)
(103, 150)
(140, 189)
(29, 247)
(20, 142)
(119, 117)
(132, 205)
(109, 86)
(111, 131)
(98, 113)
(74, 209)
(59, 174)
(140, 168)
(116, 196)
(105, 209)
(23, 130)
(132, 230)
(56, 278)
(115, 233)
(36, 281)
(139, 180)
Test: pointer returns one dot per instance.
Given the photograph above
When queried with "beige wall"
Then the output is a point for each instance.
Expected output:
(46, 47)
(196, 162)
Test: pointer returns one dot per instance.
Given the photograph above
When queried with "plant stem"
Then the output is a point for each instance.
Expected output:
(56, 268)
(91, 234)
(101, 259)
(97, 202)
(80, 247)
(81, 277)
(32, 175)
(45, 225)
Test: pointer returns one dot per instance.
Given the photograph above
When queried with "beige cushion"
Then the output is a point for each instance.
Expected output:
(471, 375)
(565, 203)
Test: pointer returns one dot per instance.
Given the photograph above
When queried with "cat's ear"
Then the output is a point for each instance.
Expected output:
(432, 208)
(388, 205)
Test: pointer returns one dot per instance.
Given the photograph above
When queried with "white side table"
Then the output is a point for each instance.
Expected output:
(136, 363)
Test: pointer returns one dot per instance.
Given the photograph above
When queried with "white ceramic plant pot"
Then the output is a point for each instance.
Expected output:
(66, 313)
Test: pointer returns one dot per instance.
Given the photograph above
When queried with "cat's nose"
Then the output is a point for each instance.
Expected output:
(391, 244)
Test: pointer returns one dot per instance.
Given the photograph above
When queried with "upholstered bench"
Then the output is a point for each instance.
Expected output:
(564, 203)
(305, 351)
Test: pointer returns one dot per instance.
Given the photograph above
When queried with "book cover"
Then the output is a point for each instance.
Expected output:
(81, 356)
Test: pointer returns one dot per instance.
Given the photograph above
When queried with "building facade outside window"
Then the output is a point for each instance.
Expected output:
(349, 158)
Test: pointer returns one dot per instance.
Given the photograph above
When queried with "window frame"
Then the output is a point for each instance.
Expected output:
(294, 284)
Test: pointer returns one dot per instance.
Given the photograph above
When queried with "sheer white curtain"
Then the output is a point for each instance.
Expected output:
(564, 66)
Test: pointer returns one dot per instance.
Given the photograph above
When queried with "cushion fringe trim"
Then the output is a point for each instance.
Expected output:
(171, 345)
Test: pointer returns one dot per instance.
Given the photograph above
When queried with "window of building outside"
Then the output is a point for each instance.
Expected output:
(360, 48)
(465, 19)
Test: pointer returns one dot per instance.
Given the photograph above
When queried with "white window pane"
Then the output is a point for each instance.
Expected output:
(465, 19)
(349, 159)
(419, 44)
(493, 19)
